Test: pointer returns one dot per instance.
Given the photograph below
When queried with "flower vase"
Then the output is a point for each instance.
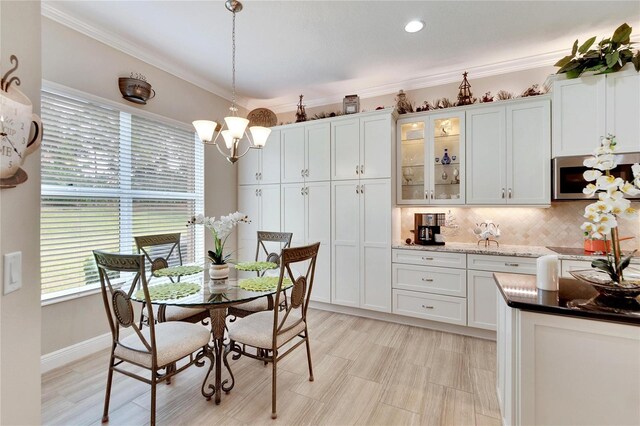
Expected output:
(219, 272)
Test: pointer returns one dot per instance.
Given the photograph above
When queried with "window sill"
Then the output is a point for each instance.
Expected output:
(72, 293)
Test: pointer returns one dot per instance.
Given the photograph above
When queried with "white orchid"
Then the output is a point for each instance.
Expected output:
(220, 229)
(591, 175)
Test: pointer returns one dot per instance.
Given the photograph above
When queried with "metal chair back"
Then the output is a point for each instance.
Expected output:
(146, 243)
(283, 238)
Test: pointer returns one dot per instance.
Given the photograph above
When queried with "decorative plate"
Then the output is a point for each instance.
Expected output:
(262, 117)
(169, 291)
(256, 266)
(629, 288)
(177, 271)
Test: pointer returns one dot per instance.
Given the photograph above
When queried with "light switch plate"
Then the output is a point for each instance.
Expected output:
(12, 271)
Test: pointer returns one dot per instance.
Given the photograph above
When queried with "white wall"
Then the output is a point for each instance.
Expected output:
(20, 231)
(80, 62)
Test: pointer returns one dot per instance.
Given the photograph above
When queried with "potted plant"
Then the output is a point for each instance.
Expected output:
(609, 55)
(602, 221)
(220, 230)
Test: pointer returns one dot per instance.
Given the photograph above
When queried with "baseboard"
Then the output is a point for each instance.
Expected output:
(73, 353)
(401, 319)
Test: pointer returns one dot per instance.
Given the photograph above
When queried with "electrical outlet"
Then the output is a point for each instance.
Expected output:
(12, 272)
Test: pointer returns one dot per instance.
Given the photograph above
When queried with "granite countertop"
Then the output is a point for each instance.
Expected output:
(520, 292)
(502, 250)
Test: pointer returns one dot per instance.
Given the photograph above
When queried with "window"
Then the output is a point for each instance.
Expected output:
(109, 174)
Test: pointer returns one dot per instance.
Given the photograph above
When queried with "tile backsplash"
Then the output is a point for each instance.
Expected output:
(558, 225)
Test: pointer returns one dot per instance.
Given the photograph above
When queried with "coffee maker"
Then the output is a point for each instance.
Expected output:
(427, 229)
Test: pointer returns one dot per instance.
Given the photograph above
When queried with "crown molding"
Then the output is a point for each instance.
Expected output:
(131, 49)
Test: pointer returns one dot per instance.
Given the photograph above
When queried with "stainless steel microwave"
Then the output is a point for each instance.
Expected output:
(568, 181)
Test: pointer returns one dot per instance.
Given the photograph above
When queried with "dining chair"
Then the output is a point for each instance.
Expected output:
(158, 250)
(264, 303)
(155, 348)
(268, 331)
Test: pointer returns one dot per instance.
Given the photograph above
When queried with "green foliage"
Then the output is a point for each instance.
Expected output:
(609, 55)
(609, 266)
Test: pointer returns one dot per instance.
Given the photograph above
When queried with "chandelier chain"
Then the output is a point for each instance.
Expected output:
(233, 65)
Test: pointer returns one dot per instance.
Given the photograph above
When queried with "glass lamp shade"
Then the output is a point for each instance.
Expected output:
(205, 129)
(228, 138)
(236, 126)
(259, 135)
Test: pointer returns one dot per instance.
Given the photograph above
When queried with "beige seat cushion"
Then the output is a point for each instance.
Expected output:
(174, 340)
(177, 313)
(257, 305)
(257, 329)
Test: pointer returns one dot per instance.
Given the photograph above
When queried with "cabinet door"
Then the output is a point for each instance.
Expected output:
(249, 204)
(529, 153)
(375, 147)
(375, 245)
(345, 246)
(318, 152)
(318, 226)
(481, 300)
(445, 148)
(345, 149)
(269, 207)
(270, 160)
(486, 156)
(623, 109)
(249, 167)
(578, 115)
(293, 212)
(411, 166)
(292, 158)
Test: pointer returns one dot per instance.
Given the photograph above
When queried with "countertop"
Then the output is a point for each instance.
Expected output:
(520, 292)
(502, 250)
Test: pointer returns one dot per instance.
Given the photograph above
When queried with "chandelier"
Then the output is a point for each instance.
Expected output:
(236, 126)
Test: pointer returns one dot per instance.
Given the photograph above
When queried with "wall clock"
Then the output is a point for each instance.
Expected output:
(16, 121)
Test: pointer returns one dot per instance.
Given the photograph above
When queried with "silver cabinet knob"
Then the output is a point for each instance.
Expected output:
(362, 169)
(427, 258)
(428, 280)
(427, 307)
(510, 193)
(502, 192)
(511, 264)
(357, 170)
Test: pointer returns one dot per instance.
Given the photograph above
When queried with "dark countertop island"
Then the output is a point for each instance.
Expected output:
(520, 292)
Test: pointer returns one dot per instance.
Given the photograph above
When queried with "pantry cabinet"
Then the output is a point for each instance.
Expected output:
(586, 108)
(508, 154)
(361, 243)
(304, 213)
(306, 153)
(261, 166)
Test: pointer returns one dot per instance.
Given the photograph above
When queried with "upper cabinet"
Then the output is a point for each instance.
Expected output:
(305, 153)
(261, 166)
(430, 159)
(361, 147)
(508, 154)
(586, 108)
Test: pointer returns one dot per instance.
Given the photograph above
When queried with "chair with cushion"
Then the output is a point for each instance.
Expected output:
(158, 347)
(263, 303)
(158, 250)
(269, 331)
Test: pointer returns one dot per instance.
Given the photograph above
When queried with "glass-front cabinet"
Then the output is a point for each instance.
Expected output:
(431, 159)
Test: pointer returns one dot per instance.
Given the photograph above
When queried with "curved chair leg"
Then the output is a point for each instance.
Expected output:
(107, 396)
(153, 402)
(309, 357)
(274, 414)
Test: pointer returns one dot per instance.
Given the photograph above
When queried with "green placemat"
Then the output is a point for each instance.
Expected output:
(256, 266)
(169, 291)
(262, 283)
(177, 271)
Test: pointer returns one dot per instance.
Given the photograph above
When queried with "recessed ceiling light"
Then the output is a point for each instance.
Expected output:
(414, 26)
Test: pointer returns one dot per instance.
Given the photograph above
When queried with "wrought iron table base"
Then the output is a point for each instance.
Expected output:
(214, 352)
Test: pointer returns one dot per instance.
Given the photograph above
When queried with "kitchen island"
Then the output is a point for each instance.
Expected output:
(560, 365)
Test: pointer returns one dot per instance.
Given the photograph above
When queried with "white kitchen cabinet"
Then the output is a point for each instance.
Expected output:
(481, 300)
(432, 307)
(508, 154)
(292, 154)
(306, 153)
(361, 147)
(623, 108)
(411, 167)
(361, 243)
(578, 115)
(261, 166)
(304, 213)
(486, 156)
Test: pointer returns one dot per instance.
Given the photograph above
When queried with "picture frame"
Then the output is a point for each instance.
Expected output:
(351, 104)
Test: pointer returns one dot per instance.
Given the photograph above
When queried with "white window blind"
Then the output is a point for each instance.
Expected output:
(109, 175)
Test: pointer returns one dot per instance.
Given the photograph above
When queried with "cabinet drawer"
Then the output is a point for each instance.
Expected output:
(517, 265)
(430, 306)
(428, 279)
(430, 258)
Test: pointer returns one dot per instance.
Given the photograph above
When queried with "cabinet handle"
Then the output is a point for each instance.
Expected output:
(427, 258)
(306, 190)
(429, 280)
(362, 169)
(302, 190)
(260, 191)
(256, 175)
(357, 189)
(357, 170)
(510, 194)
(511, 264)
(362, 189)
(306, 172)
(502, 192)
(427, 307)
(432, 194)
(302, 172)
(256, 192)
(426, 195)
(260, 175)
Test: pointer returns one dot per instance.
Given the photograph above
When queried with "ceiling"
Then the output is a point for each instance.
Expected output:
(327, 49)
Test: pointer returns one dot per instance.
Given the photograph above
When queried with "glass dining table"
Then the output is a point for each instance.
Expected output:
(216, 296)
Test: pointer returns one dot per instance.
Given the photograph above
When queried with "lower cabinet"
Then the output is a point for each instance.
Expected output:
(430, 306)
(481, 298)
